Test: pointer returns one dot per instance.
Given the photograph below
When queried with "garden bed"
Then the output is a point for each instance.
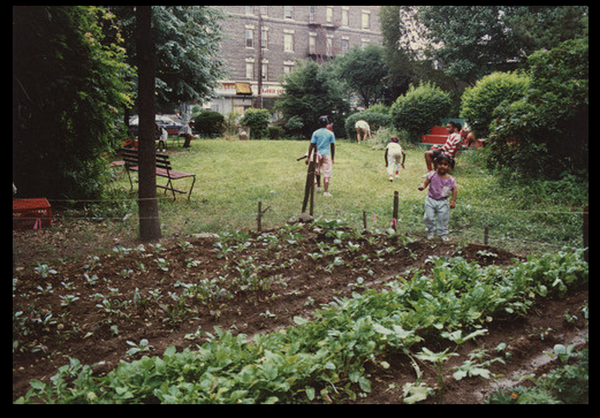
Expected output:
(141, 299)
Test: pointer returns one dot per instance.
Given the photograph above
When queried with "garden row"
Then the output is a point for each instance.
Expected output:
(324, 359)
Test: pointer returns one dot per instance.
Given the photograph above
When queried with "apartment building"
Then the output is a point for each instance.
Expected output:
(262, 43)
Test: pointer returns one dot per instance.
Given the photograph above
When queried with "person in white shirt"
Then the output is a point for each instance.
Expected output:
(362, 128)
(395, 153)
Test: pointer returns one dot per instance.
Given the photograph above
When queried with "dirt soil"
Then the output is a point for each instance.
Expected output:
(139, 292)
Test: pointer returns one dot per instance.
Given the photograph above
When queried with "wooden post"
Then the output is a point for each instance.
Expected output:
(260, 214)
(310, 178)
(395, 212)
(586, 230)
(365, 220)
(258, 218)
(486, 234)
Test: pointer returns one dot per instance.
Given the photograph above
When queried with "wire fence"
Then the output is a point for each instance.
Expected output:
(520, 231)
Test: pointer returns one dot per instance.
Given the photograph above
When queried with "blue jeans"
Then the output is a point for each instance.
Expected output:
(441, 209)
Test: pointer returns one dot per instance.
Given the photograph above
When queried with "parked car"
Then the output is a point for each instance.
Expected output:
(170, 124)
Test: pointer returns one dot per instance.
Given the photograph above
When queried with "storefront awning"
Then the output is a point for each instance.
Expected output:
(243, 89)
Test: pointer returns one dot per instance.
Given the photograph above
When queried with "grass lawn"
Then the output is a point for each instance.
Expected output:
(233, 176)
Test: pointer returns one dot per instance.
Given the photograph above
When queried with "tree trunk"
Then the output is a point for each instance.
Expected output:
(147, 203)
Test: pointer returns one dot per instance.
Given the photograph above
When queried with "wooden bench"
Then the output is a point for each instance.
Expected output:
(163, 169)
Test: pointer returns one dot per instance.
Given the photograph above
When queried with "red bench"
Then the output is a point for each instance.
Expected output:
(31, 213)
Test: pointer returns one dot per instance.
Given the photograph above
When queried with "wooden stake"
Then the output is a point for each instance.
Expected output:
(260, 214)
(365, 220)
(486, 234)
(395, 212)
(586, 231)
(310, 178)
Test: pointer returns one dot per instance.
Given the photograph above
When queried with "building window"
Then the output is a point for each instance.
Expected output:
(345, 16)
(329, 51)
(312, 14)
(345, 45)
(263, 10)
(249, 34)
(288, 67)
(366, 19)
(329, 16)
(265, 70)
(312, 43)
(249, 70)
(288, 12)
(288, 42)
(249, 10)
(264, 38)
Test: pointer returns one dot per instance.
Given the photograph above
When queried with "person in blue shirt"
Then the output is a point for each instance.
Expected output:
(322, 143)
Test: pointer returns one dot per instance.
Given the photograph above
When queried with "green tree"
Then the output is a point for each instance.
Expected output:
(419, 109)
(147, 204)
(311, 90)
(187, 42)
(546, 133)
(69, 86)
(363, 69)
(473, 40)
(478, 103)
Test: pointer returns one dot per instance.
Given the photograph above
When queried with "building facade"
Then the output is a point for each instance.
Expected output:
(262, 43)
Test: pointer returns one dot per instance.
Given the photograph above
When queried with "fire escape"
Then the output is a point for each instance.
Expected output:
(321, 47)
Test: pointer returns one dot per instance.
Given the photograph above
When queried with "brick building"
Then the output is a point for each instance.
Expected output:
(286, 34)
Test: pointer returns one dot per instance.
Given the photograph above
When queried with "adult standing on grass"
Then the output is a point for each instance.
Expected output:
(449, 148)
(322, 143)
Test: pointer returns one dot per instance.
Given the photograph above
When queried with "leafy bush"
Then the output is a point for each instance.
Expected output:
(419, 109)
(275, 132)
(209, 123)
(258, 121)
(375, 119)
(480, 101)
(546, 133)
(293, 127)
(312, 90)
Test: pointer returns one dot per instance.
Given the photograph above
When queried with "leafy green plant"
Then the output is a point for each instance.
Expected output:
(419, 109)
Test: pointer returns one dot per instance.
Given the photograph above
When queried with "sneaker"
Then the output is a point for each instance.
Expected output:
(445, 238)
(391, 178)
(327, 194)
(430, 237)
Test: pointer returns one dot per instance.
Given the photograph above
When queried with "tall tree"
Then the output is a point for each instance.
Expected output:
(69, 84)
(363, 69)
(148, 205)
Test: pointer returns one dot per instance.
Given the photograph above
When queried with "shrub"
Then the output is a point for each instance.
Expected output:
(258, 121)
(419, 109)
(275, 132)
(209, 123)
(546, 133)
(479, 102)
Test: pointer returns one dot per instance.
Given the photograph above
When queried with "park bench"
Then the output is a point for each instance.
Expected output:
(163, 169)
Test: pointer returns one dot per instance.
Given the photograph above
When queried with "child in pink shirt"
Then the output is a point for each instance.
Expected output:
(441, 186)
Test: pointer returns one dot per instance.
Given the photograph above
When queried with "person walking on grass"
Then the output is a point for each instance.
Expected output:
(322, 143)
(441, 186)
(396, 155)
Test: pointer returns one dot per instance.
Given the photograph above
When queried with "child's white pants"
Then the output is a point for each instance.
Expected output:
(394, 163)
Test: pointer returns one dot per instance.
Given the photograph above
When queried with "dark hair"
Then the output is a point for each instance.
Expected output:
(323, 121)
(455, 125)
(442, 157)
